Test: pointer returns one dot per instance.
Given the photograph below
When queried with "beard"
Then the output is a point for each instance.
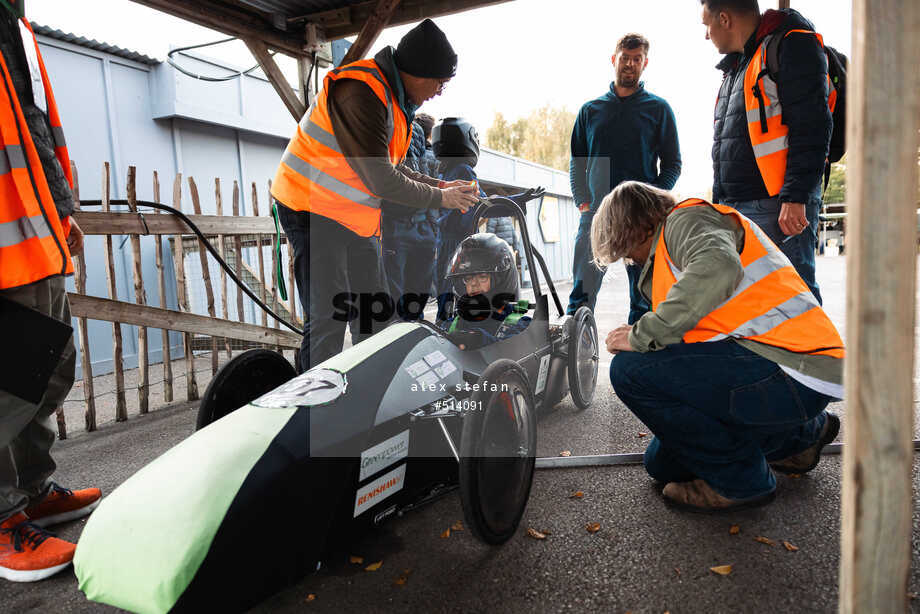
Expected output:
(627, 79)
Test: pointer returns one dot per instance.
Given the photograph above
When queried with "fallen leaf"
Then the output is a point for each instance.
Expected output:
(677, 570)
(765, 540)
(445, 534)
(536, 534)
(794, 476)
(593, 527)
(722, 570)
(565, 453)
(734, 530)
(403, 578)
(310, 597)
(355, 560)
(643, 435)
(374, 566)
(577, 495)
(913, 596)
(457, 526)
(790, 547)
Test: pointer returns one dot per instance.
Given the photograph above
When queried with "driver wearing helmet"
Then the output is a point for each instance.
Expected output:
(484, 281)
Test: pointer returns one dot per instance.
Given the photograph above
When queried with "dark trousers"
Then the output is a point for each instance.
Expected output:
(410, 251)
(27, 430)
(587, 277)
(333, 268)
(719, 412)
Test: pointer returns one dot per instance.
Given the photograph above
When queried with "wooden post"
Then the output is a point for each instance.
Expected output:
(205, 274)
(191, 381)
(121, 407)
(79, 265)
(783, 4)
(238, 251)
(223, 274)
(372, 28)
(161, 278)
(883, 111)
(261, 257)
(276, 267)
(143, 368)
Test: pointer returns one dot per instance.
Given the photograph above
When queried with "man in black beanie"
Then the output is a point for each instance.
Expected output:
(344, 159)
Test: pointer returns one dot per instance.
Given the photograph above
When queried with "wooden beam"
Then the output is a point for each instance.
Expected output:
(883, 109)
(233, 21)
(783, 4)
(260, 52)
(409, 11)
(373, 26)
(96, 308)
(101, 223)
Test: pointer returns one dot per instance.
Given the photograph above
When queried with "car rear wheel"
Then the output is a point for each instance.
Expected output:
(583, 358)
(497, 451)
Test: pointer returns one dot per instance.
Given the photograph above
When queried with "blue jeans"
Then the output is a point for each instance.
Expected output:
(587, 277)
(719, 412)
(800, 248)
(410, 253)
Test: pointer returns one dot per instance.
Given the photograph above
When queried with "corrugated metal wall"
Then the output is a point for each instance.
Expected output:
(154, 118)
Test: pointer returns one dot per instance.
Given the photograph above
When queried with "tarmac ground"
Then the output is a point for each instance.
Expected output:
(646, 557)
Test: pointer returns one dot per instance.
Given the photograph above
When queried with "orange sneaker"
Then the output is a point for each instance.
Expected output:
(29, 553)
(61, 505)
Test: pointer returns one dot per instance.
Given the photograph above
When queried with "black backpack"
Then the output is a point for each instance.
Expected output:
(837, 72)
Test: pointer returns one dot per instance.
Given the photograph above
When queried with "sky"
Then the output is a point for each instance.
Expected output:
(513, 57)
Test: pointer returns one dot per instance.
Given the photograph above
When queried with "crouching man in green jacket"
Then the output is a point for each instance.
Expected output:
(735, 364)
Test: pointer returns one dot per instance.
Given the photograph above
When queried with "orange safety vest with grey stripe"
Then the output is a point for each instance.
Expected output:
(314, 174)
(771, 305)
(769, 135)
(33, 242)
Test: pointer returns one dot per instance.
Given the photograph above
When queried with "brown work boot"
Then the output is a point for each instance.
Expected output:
(698, 496)
(808, 459)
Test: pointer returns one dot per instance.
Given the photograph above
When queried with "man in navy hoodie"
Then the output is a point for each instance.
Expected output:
(768, 161)
(626, 134)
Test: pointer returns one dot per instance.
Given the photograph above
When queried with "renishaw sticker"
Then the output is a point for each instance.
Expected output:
(445, 369)
(378, 490)
(417, 368)
(544, 371)
(384, 454)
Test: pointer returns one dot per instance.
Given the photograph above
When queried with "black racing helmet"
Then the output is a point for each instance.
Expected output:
(485, 253)
(454, 137)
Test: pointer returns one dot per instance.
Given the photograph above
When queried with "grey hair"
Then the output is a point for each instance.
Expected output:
(627, 217)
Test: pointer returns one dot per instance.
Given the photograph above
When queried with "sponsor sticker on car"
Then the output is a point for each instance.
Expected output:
(383, 487)
(384, 454)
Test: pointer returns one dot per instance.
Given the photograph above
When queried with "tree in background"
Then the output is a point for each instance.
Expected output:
(836, 192)
(542, 136)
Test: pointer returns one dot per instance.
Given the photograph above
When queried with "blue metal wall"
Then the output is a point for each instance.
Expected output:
(156, 119)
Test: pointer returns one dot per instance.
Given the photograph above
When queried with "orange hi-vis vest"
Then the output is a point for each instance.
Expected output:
(769, 136)
(314, 174)
(33, 242)
(771, 305)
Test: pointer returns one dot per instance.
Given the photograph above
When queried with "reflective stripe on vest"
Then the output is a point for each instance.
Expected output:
(769, 135)
(32, 241)
(314, 174)
(771, 304)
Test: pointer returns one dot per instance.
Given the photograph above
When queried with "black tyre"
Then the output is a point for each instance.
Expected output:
(243, 379)
(583, 358)
(497, 451)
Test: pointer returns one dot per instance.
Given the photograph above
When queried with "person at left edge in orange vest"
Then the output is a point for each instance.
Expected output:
(733, 367)
(37, 238)
(344, 159)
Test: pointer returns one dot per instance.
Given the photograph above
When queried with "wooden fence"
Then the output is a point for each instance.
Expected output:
(231, 235)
